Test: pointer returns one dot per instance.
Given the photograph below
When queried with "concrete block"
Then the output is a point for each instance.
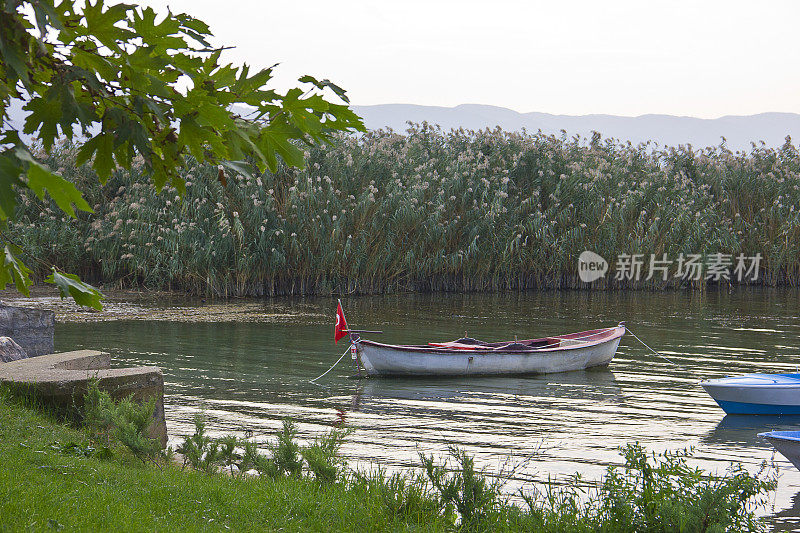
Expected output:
(62, 379)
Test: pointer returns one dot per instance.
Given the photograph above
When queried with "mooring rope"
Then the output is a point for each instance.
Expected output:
(652, 350)
(331, 368)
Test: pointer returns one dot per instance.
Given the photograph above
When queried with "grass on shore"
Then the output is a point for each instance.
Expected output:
(50, 478)
(42, 488)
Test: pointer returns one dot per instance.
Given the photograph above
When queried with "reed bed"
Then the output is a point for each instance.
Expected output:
(428, 210)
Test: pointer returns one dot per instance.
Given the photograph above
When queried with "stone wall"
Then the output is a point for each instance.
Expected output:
(32, 329)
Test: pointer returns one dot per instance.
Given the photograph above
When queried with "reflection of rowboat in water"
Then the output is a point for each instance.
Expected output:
(467, 356)
(591, 392)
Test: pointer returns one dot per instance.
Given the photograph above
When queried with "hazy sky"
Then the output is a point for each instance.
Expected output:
(700, 58)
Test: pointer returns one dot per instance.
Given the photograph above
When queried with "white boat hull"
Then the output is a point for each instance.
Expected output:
(756, 394)
(787, 443)
(389, 360)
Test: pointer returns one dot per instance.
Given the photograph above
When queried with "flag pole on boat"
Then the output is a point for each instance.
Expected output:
(341, 330)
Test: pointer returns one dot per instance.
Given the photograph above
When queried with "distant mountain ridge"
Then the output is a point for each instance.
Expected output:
(666, 130)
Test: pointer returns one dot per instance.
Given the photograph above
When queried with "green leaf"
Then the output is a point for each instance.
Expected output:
(341, 93)
(102, 25)
(194, 28)
(13, 55)
(71, 285)
(103, 164)
(10, 171)
(14, 270)
(63, 192)
(192, 135)
(341, 117)
(45, 115)
(46, 16)
(277, 139)
(238, 167)
(91, 62)
(144, 23)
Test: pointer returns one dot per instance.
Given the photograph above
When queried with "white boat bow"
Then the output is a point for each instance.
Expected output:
(756, 394)
(786, 442)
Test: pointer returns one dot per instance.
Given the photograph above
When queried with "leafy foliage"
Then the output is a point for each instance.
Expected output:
(131, 420)
(134, 84)
(252, 459)
(125, 421)
(71, 285)
(474, 497)
(210, 455)
(668, 494)
(404, 495)
(286, 451)
(322, 456)
(651, 493)
(98, 413)
(200, 451)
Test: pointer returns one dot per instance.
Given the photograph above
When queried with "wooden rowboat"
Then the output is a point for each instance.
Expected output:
(467, 356)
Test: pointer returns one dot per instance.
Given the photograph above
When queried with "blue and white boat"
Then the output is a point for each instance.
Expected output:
(756, 394)
(786, 442)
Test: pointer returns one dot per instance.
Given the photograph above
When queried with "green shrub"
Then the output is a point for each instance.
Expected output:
(475, 498)
(252, 459)
(98, 409)
(669, 495)
(130, 422)
(322, 457)
(228, 458)
(649, 493)
(125, 421)
(286, 452)
(200, 451)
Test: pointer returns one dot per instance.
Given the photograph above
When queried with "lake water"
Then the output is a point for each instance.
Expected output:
(249, 376)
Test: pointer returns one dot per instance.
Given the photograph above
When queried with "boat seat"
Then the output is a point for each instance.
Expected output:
(538, 343)
(470, 340)
(514, 346)
(464, 343)
(571, 342)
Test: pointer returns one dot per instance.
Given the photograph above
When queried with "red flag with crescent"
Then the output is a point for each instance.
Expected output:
(341, 324)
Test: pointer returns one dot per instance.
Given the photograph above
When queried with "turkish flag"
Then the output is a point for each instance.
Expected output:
(341, 324)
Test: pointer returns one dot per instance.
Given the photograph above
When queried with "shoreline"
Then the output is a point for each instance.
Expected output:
(156, 305)
(177, 306)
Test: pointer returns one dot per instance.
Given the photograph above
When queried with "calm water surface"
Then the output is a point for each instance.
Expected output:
(249, 376)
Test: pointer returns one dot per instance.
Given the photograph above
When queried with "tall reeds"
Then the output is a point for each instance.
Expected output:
(429, 210)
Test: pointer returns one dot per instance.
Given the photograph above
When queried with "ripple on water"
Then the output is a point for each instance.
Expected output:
(249, 376)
